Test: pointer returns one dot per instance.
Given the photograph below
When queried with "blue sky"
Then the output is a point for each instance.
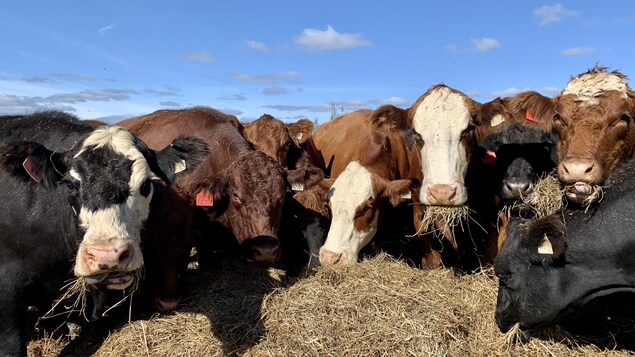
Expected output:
(295, 59)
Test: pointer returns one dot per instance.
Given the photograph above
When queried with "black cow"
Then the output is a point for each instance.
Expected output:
(523, 153)
(547, 270)
(70, 191)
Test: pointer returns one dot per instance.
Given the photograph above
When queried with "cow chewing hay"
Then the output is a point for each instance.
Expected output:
(447, 216)
(546, 199)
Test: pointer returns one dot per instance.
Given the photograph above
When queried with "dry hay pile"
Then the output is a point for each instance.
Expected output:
(377, 307)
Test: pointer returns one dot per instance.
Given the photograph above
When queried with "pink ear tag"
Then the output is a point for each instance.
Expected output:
(204, 199)
(531, 117)
(490, 157)
(31, 169)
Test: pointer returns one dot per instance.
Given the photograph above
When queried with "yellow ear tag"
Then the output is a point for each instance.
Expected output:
(545, 247)
(497, 120)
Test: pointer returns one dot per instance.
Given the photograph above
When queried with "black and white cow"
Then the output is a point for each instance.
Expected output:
(547, 270)
(70, 191)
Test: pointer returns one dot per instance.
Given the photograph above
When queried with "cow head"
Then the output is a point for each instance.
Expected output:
(357, 199)
(443, 121)
(594, 119)
(523, 153)
(247, 197)
(108, 181)
(528, 292)
(282, 142)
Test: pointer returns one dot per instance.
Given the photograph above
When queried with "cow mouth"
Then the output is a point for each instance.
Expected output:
(583, 193)
(112, 280)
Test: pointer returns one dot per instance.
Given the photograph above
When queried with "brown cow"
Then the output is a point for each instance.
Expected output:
(594, 119)
(238, 186)
(282, 142)
(443, 120)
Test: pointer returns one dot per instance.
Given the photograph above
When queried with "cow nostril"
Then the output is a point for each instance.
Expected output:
(589, 169)
(125, 255)
(564, 167)
(527, 188)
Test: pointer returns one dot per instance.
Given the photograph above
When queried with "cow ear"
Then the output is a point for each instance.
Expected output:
(303, 178)
(399, 191)
(301, 130)
(491, 114)
(30, 161)
(493, 142)
(184, 154)
(544, 239)
(391, 118)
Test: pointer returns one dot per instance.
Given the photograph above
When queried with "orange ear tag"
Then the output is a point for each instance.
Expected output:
(204, 199)
(531, 117)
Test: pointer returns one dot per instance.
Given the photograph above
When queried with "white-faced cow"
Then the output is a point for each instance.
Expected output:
(443, 122)
(71, 191)
(594, 119)
(547, 270)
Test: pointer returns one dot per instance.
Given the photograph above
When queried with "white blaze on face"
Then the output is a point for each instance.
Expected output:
(350, 190)
(587, 87)
(120, 224)
(440, 119)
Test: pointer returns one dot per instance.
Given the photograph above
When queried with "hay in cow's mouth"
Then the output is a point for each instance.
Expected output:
(595, 194)
(448, 216)
(74, 293)
(545, 199)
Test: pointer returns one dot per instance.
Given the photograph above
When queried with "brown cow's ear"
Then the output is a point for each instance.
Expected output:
(399, 191)
(391, 118)
(490, 114)
(301, 130)
(303, 178)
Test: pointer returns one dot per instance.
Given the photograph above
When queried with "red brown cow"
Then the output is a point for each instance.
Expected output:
(238, 186)
(594, 119)
(282, 142)
(443, 120)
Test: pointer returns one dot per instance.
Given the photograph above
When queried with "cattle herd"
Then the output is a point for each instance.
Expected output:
(102, 203)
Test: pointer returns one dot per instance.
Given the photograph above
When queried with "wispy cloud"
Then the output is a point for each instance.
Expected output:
(577, 51)
(274, 91)
(234, 97)
(170, 103)
(549, 14)
(290, 77)
(92, 95)
(198, 56)
(257, 46)
(329, 40)
(509, 92)
(164, 92)
(549, 91)
(102, 30)
(477, 45)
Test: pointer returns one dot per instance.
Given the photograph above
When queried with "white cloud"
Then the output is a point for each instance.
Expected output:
(509, 92)
(274, 91)
(577, 51)
(198, 56)
(484, 44)
(257, 46)
(477, 45)
(169, 103)
(289, 76)
(554, 13)
(102, 30)
(329, 40)
(549, 91)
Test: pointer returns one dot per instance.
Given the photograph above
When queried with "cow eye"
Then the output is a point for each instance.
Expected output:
(558, 120)
(145, 188)
(625, 118)
(468, 131)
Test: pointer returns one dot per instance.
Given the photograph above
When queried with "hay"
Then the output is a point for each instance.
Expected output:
(447, 216)
(546, 199)
(377, 307)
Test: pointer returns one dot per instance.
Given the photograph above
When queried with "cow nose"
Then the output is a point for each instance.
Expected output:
(331, 258)
(262, 249)
(441, 194)
(573, 170)
(109, 258)
(516, 188)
